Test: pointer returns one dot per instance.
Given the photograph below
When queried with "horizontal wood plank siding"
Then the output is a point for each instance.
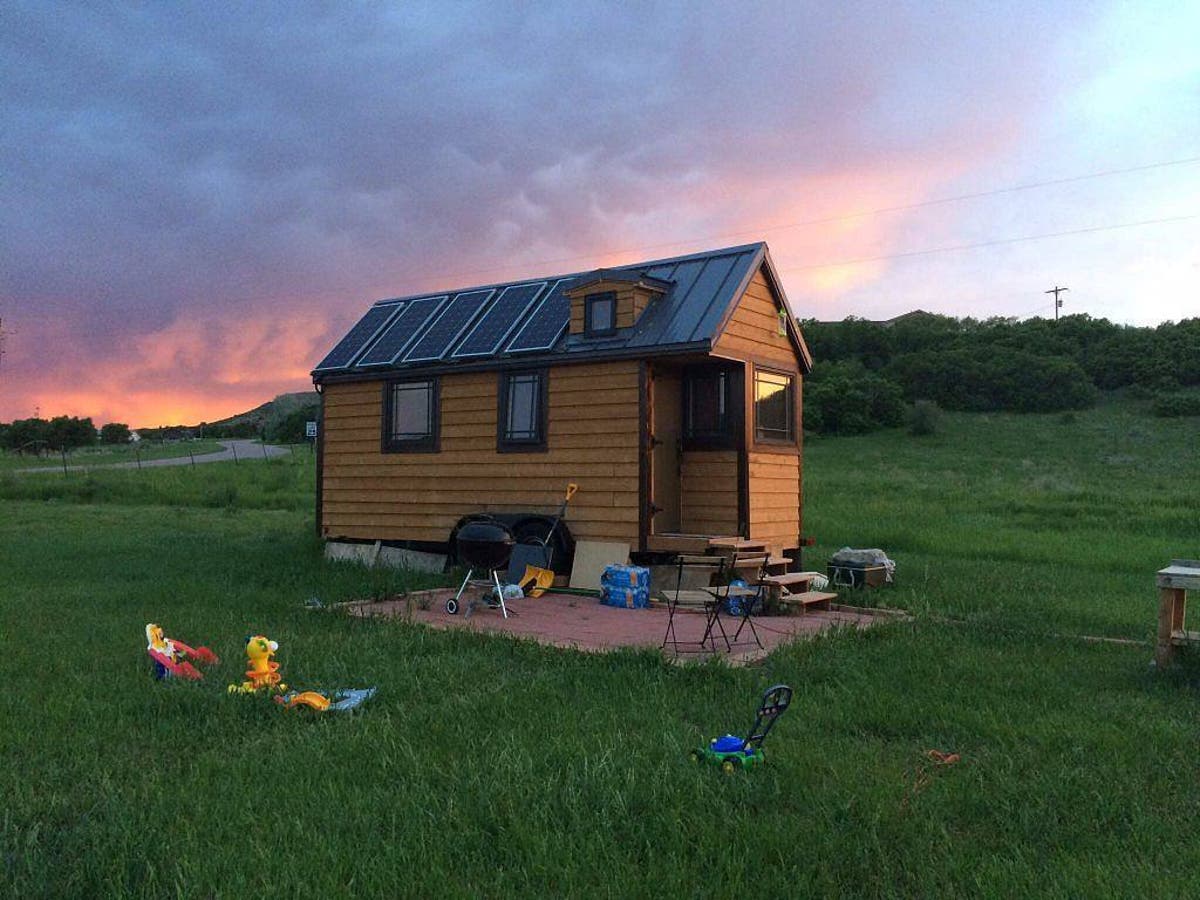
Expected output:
(775, 499)
(593, 441)
(752, 332)
(774, 485)
(709, 493)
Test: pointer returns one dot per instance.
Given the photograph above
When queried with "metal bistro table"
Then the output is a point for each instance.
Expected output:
(1173, 584)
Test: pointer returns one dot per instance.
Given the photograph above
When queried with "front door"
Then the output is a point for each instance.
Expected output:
(666, 429)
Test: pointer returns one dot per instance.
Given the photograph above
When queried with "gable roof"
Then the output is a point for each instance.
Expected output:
(526, 321)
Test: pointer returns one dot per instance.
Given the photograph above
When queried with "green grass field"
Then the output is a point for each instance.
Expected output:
(487, 766)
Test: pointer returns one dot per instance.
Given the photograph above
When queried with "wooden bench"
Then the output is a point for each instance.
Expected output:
(1173, 584)
(814, 599)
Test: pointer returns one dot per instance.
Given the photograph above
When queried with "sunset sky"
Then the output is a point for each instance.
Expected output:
(196, 200)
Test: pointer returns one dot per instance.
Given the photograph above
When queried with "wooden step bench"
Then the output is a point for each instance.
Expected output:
(802, 602)
(740, 545)
(776, 565)
(788, 579)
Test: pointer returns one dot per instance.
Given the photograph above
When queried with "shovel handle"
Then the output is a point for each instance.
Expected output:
(571, 489)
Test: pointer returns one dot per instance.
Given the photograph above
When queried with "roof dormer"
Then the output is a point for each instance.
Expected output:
(607, 300)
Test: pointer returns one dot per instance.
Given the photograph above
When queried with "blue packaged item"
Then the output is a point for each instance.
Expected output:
(625, 586)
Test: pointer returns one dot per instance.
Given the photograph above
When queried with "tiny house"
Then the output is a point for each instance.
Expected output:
(669, 391)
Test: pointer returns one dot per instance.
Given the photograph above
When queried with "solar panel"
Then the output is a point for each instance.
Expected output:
(449, 326)
(491, 330)
(347, 348)
(397, 336)
(547, 323)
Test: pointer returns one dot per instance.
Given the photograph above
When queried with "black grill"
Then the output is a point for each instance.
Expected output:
(484, 544)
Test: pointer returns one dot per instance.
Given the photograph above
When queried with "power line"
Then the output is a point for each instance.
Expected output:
(844, 217)
(993, 243)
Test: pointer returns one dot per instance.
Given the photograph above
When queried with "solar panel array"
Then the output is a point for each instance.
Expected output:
(449, 326)
(547, 323)
(397, 336)
(534, 316)
(498, 322)
(366, 329)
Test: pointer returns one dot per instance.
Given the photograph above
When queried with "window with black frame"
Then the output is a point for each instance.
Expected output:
(410, 416)
(774, 406)
(523, 408)
(600, 314)
(707, 407)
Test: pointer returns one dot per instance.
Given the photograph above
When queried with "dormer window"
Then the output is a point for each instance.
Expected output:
(600, 314)
(608, 300)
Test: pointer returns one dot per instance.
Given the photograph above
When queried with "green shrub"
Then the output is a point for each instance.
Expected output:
(845, 398)
(924, 417)
(999, 378)
(1169, 406)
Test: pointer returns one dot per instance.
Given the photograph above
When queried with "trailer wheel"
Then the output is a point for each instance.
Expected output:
(452, 606)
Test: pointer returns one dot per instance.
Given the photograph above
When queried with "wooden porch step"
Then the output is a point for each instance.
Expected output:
(741, 545)
(814, 599)
(791, 578)
(776, 565)
(676, 542)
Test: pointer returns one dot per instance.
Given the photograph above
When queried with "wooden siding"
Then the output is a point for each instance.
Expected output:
(593, 441)
(775, 498)
(709, 493)
(774, 473)
(752, 332)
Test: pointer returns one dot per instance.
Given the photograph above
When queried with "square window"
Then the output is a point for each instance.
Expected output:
(774, 406)
(707, 407)
(522, 413)
(600, 314)
(410, 416)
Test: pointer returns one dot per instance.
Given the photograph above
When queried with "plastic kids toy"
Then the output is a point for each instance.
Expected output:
(171, 657)
(263, 674)
(732, 753)
(330, 701)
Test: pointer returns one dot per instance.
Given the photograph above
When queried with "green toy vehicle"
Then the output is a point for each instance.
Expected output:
(731, 752)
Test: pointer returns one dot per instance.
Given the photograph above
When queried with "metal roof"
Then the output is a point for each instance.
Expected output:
(700, 290)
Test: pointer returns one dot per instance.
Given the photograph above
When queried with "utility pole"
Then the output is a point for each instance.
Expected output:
(1056, 290)
(3, 335)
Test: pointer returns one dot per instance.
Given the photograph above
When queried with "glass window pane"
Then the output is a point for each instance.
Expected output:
(773, 406)
(707, 402)
(411, 411)
(523, 415)
(601, 313)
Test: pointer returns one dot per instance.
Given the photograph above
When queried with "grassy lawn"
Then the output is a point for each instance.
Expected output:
(107, 455)
(487, 766)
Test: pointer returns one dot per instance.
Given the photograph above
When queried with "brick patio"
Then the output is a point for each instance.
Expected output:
(583, 623)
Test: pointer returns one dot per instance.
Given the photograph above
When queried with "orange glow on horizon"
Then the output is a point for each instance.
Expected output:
(186, 373)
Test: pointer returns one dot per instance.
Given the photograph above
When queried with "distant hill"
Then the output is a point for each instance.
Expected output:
(272, 410)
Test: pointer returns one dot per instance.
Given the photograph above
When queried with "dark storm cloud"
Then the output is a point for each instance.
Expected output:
(214, 159)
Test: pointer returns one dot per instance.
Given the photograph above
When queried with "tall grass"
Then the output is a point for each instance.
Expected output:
(488, 766)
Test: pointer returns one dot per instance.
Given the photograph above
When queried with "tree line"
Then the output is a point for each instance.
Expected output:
(868, 372)
(59, 433)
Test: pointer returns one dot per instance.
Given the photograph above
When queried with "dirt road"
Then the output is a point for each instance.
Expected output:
(239, 449)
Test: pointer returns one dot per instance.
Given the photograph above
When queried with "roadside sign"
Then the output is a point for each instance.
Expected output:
(310, 429)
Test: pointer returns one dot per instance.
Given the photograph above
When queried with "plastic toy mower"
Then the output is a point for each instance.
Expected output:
(732, 753)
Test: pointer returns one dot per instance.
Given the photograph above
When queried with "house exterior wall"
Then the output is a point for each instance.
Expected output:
(709, 492)
(774, 472)
(592, 439)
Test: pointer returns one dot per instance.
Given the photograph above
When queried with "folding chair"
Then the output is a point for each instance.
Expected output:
(749, 598)
(703, 600)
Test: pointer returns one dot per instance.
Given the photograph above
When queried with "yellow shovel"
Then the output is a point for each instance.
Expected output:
(536, 580)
